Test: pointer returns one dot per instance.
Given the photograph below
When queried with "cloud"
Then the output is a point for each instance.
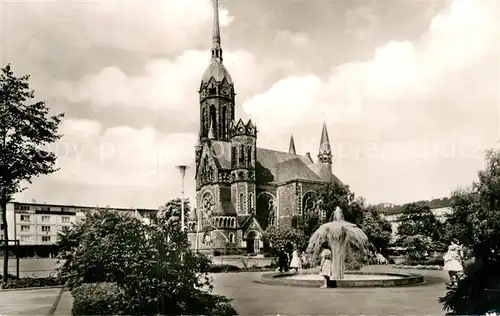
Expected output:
(152, 26)
(400, 72)
(296, 39)
(166, 84)
(361, 22)
(90, 156)
(421, 110)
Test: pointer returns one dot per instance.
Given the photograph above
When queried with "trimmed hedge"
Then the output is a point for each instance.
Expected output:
(96, 299)
(22, 283)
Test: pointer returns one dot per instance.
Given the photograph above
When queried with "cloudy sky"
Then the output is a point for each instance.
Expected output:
(409, 90)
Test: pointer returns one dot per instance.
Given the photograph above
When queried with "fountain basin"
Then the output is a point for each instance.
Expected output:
(351, 279)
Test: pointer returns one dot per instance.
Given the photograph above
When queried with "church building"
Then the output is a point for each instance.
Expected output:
(242, 189)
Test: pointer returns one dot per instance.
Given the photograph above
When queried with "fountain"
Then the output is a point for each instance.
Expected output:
(340, 236)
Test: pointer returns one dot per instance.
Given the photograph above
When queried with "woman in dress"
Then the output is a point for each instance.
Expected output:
(295, 263)
(453, 263)
(325, 268)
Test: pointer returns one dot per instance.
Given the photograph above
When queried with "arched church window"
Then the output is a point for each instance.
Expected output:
(231, 238)
(266, 209)
(224, 115)
(213, 118)
(251, 203)
(242, 203)
(308, 203)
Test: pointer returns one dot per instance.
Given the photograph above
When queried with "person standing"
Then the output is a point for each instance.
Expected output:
(295, 262)
(325, 268)
(283, 260)
(453, 263)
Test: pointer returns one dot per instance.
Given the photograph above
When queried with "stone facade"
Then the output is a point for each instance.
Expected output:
(242, 189)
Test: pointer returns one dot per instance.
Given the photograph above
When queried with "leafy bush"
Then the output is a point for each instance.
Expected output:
(418, 247)
(152, 265)
(96, 299)
(22, 283)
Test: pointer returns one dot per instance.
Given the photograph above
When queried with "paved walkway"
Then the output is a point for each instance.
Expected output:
(253, 298)
(27, 302)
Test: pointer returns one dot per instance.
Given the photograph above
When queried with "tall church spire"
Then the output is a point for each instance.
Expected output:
(325, 150)
(216, 43)
(291, 148)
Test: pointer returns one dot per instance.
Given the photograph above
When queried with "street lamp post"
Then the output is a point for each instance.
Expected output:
(182, 170)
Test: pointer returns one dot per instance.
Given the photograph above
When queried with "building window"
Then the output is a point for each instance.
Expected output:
(45, 208)
(45, 218)
(25, 228)
(45, 238)
(25, 218)
(65, 219)
(1, 226)
(25, 238)
(249, 155)
(231, 238)
(18, 207)
(242, 203)
(242, 155)
(45, 228)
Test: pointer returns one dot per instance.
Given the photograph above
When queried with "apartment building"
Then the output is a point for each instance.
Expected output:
(393, 218)
(37, 225)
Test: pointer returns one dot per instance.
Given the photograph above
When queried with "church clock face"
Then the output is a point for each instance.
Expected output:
(208, 204)
(225, 91)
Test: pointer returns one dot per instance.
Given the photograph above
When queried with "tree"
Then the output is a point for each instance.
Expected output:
(26, 128)
(475, 210)
(418, 219)
(335, 195)
(280, 236)
(172, 210)
(378, 229)
(151, 265)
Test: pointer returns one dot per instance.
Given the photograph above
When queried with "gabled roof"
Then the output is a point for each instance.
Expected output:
(295, 169)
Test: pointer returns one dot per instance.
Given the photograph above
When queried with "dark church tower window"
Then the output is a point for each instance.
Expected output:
(213, 118)
(233, 156)
(224, 115)
(249, 156)
(242, 155)
(242, 203)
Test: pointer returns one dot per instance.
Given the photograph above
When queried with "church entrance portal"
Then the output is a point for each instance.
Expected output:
(252, 242)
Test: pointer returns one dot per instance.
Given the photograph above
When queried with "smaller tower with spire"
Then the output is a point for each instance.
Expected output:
(325, 156)
(291, 148)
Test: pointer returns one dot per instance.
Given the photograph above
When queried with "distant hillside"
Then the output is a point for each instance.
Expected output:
(390, 209)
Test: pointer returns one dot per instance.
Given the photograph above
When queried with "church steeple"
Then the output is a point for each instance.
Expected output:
(217, 96)
(325, 150)
(291, 147)
(216, 43)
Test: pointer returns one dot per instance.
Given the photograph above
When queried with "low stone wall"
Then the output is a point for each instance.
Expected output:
(402, 280)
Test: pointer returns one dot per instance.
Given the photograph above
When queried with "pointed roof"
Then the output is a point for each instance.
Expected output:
(324, 145)
(216, 69)
(291, 147)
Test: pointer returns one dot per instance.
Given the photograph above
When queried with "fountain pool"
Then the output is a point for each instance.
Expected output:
(351, 279)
